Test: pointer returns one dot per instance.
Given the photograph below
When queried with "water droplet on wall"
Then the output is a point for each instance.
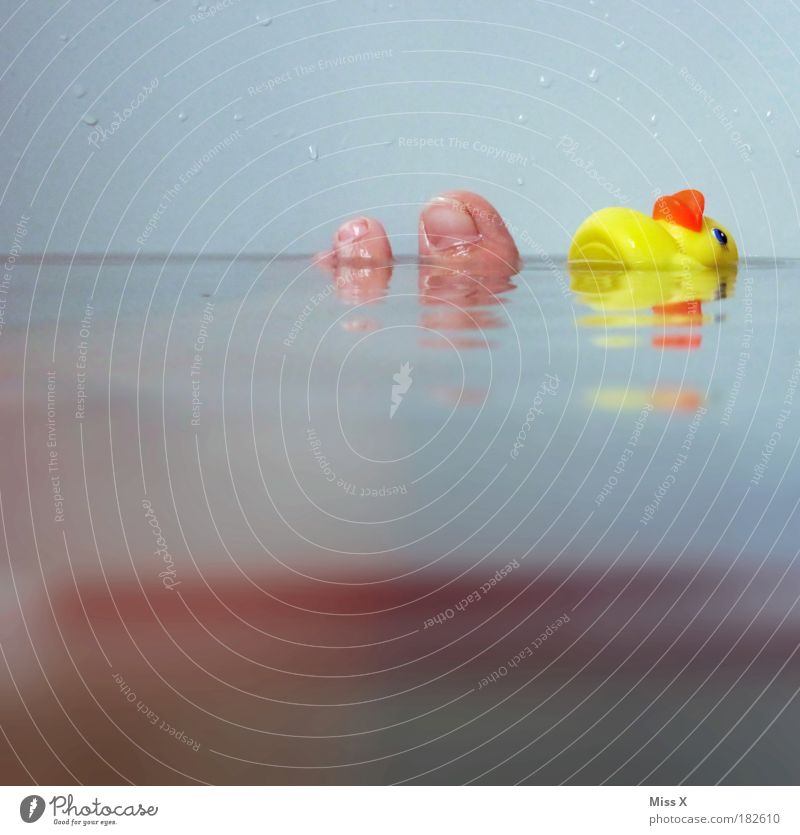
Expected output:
(182, 116)
(768, 115)
(237, 117)
(653, 118)
(264, 21)
(90, 119)
(593, 76)
(520, 181)
(620, 44)
(522, 118)
(78, 91)
(313, 152)
(545, 81)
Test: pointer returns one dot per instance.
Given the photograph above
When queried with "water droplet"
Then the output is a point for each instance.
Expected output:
(79, 91)
(237, 117)
(768, 115)
(593, 76)
(63, 37)
(620, 44)
(746, 150)
(618, 99)
(606, 15)
(797, 152)
(313, 152)
(90, 119)
(655, 134)
(182, 116)
(545, 81)
(522, 118)
(735, 111)
(653, 118)
(520, 181)
(264, 21)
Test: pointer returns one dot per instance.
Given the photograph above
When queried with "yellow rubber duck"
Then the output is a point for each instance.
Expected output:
(677, 237)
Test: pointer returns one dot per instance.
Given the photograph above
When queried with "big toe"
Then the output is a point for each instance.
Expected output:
(464, 230)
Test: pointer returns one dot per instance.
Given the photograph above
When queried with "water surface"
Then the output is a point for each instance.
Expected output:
(399, 525)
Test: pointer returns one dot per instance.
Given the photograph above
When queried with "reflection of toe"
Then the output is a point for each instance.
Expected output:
(357, 285)
(453, 319)
(439, 286)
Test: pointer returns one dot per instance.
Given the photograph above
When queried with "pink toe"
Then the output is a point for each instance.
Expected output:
(362, 239)
(461, 227)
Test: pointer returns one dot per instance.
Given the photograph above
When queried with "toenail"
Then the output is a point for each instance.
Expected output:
(448, 223)
(352, 230)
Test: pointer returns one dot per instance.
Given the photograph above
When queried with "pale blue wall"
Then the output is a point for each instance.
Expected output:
(461, 69)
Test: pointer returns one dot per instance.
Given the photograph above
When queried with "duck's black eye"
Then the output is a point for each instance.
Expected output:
(721, 236)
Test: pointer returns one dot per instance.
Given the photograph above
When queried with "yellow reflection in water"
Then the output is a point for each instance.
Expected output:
(631, 290)
(668, 303)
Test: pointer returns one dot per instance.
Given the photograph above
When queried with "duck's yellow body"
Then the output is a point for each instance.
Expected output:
(677, 237)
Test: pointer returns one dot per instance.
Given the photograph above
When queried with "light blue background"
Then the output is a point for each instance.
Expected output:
(453, 69)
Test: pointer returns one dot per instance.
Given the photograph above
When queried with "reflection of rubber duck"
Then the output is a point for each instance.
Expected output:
(616, 290)
(677, 237)
(645, 298)
(662, 399)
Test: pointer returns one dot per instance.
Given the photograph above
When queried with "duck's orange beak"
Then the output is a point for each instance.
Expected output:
(684, 208)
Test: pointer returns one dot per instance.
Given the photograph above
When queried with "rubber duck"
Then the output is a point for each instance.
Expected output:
(677, 237)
